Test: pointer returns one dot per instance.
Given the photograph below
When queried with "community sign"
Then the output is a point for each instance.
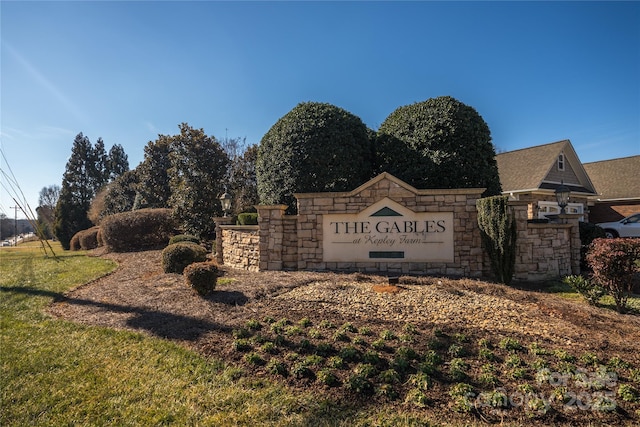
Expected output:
(387, 231)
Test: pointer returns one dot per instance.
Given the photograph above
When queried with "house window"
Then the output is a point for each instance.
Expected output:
(561, 162)
(552, 208)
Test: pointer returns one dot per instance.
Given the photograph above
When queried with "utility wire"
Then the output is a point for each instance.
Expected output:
(15, 192)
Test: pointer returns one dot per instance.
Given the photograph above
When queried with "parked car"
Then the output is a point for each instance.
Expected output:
(6, 243)
(627, 227)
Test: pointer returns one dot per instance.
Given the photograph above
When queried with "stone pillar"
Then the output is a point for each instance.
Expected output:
(271, 231)
(574, 238)
(220, 220)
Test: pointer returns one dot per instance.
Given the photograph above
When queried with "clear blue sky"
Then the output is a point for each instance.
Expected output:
(537, 72)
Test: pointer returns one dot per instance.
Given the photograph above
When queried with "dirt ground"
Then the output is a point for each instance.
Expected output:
(139, 296)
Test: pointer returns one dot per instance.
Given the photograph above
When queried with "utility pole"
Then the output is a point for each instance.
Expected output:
(15, 224)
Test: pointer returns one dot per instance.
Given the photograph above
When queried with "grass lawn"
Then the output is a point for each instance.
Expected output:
(54, 372)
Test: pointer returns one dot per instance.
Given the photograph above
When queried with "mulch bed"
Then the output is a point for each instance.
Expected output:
(139, 296)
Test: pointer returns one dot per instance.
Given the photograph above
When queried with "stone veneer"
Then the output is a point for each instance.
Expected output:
(295, 242)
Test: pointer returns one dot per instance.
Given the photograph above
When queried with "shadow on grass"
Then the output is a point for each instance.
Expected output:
(159, 323)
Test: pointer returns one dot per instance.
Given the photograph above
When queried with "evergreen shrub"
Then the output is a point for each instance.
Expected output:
(248, 218)
(591, 291)
(176, 257)
(498, 231)
(202, 276)
(184, 238)
(143, 229)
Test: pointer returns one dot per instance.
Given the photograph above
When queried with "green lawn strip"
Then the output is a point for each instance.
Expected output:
(565, 291)
(54, 372)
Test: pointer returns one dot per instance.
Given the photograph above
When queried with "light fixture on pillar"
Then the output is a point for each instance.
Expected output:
(225, 201)
(562, 197)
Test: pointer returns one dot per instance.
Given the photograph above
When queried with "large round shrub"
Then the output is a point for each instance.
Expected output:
(179, 255)
(202, 276)
(138, 230)
(315, 147)
(438, 143)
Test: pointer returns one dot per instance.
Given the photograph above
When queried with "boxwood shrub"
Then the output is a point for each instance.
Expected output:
(184, 238)
(202, 276)
(248, 218)
(176, 257)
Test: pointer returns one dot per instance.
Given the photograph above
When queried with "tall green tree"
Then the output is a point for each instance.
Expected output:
(99, 170)
(197, 173)
(78, 188)
(154, 187)
(314, 147)
(117, 162)
(438, 143)
(87, 171)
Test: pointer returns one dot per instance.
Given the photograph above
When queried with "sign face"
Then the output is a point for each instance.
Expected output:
(387, 231)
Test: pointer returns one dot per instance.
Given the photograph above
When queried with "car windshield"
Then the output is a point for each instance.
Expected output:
(633, 218)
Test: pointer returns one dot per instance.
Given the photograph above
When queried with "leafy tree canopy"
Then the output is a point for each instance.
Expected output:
(197, 172)
(438, 143)
(314, 147)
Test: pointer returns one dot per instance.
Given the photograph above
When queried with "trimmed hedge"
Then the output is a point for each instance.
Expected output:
(498, 232)
(176, 257)
(202, 276)
(143, 229)
(248, 218)
(184, 238)
(85, 239)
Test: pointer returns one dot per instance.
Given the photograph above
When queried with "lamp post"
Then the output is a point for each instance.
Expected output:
(562, 197)
(225, 201)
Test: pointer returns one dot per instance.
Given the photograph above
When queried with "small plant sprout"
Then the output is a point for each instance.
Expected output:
(348, 327)
(365, 331)
(390, 376)
(510, 344)
(328, 377)
(305, 322)
(253, 325)
(628, 393)
(563, 355)
(276, 367)
(410, 329)
(254, 359)
(387, 335)
(537, 350)
(458, 369)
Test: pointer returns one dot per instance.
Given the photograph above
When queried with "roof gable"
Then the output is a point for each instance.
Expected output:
(616, 179)
(536, 168)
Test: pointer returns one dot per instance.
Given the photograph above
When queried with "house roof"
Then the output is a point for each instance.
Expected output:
(529, 169)
(616, 179)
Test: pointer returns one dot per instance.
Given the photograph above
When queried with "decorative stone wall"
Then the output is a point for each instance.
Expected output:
(240, 247)
(545, 251)
(295, 242)
(461, 202)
